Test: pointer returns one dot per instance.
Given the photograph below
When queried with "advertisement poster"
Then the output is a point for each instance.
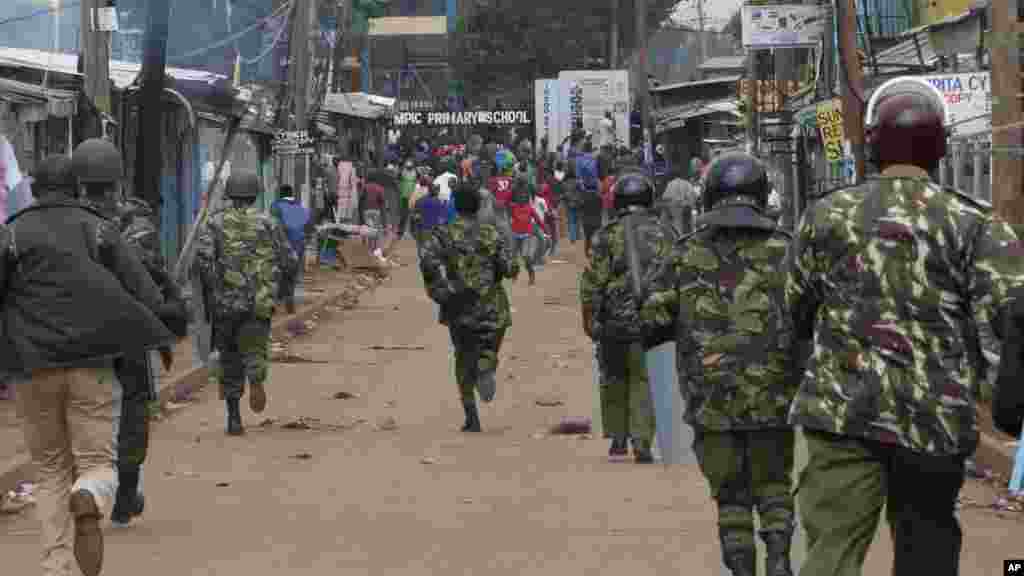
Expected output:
(545, 97)
(969, 98)
(830, 126)
(585, 97)
(782, 26)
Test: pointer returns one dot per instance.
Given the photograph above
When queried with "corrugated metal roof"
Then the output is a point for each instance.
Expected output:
(676, 116)
(60, 103)
(358, 104)
(723, 80)
(905, 53)
(719, 62)
(121, 73)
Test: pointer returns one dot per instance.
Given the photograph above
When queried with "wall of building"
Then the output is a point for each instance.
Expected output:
(673, 53)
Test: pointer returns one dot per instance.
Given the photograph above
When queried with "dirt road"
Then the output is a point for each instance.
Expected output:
(352, 496)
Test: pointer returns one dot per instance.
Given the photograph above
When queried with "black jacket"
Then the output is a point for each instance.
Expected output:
(77, 292)
(1008, 401)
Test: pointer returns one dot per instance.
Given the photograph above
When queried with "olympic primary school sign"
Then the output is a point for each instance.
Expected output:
(475, 118)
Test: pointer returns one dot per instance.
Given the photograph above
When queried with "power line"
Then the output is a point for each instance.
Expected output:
(40, 12)
(231, 38)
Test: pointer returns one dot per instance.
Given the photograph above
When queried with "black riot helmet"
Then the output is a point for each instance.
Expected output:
(736, 178)
(243, 185)
(97, 161)
(905, 123)
(633, 189)
(54, 176)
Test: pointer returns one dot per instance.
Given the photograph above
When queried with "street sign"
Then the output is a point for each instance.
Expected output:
(782, 26)
(293, 143)
(969, 100)
(473, 118)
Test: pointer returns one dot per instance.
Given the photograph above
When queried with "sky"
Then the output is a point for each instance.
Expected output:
(716, 12)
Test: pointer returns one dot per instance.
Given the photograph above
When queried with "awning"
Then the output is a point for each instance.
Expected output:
(676, 116)
(358, 105)
(59, 103)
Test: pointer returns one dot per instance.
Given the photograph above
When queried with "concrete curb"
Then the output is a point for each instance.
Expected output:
(20, 467)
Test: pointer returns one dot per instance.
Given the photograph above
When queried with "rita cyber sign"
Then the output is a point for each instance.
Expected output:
(476, 118)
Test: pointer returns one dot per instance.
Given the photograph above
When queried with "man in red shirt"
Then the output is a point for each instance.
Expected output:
(523, 216)
(374, 209)
(501, 188)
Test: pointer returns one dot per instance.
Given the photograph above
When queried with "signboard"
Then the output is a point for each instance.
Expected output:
(408, 26)
(415, 105)
(584, 98)
(293, 143)
(545, 112)
(830, 126)
(769, 97)
(473, 118)
(967, 96)
(782, 26)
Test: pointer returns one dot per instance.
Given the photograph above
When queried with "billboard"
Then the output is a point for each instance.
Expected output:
(782, 26)
(969, 99)
(545, 95)
(584, 98)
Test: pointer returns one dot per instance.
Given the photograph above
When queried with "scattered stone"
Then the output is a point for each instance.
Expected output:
(549, 401)
(571, 426)
(267, 422)
(345, 396)
(387, 424)
(467, 500)
(303, 456)
(223, 484)
(538, 436)
(428, 461)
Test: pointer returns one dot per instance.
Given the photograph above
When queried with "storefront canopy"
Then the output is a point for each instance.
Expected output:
(58, 103)
(676, 116)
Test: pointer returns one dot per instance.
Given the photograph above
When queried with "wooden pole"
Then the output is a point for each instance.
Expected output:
(95, 54)
(149, 161)
(1007, 109)
(852, 78)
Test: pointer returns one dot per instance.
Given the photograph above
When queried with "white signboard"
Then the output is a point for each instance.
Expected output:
(782, 26)
(408, 26)
(474, 118)
(545, 113)
(586, 95)
(968, 97)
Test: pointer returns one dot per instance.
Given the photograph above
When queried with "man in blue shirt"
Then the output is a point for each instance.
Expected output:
(294, 217)
(429, 212)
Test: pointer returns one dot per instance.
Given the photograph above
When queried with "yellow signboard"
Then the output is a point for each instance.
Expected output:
(830, 125)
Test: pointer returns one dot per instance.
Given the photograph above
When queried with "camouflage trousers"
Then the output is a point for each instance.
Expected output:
(134, 373)
(244, 346)
(476, 354)
(747, 470)
(626, 407)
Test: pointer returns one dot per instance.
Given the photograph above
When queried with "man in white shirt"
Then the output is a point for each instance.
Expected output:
(444, 183)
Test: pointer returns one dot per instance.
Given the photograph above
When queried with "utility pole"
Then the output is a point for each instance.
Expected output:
(643, 87)
(753, 99)
(702, 44)
(828, 65)
(95, 57)
(613, 37)
(149, 163)
(852, 77)
(1007, 109)
(299, 80)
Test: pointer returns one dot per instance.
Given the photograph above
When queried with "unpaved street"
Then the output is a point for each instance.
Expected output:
(355, 495)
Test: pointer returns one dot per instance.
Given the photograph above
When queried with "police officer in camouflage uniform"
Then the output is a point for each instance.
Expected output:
(98, 166)
(891, 278)
(719, 293)
(463, 266)
(242, 254)
(611, 317)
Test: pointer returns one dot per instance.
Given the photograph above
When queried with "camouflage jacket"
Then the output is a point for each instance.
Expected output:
(463, 264)
(605, 285)
(722, 291)
(139, 231)
(893, 280)
(241, 254)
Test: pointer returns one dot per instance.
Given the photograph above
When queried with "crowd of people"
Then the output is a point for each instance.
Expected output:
(862, 326)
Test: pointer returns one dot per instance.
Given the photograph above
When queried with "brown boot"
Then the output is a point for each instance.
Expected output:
(257, 397)
(88, 534)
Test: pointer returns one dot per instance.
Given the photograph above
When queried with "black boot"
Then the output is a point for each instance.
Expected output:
(739, 558)
(234, 418)
(619, 447)
(777, 544)
(128, 503)
(642, 451)
(472, 417)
